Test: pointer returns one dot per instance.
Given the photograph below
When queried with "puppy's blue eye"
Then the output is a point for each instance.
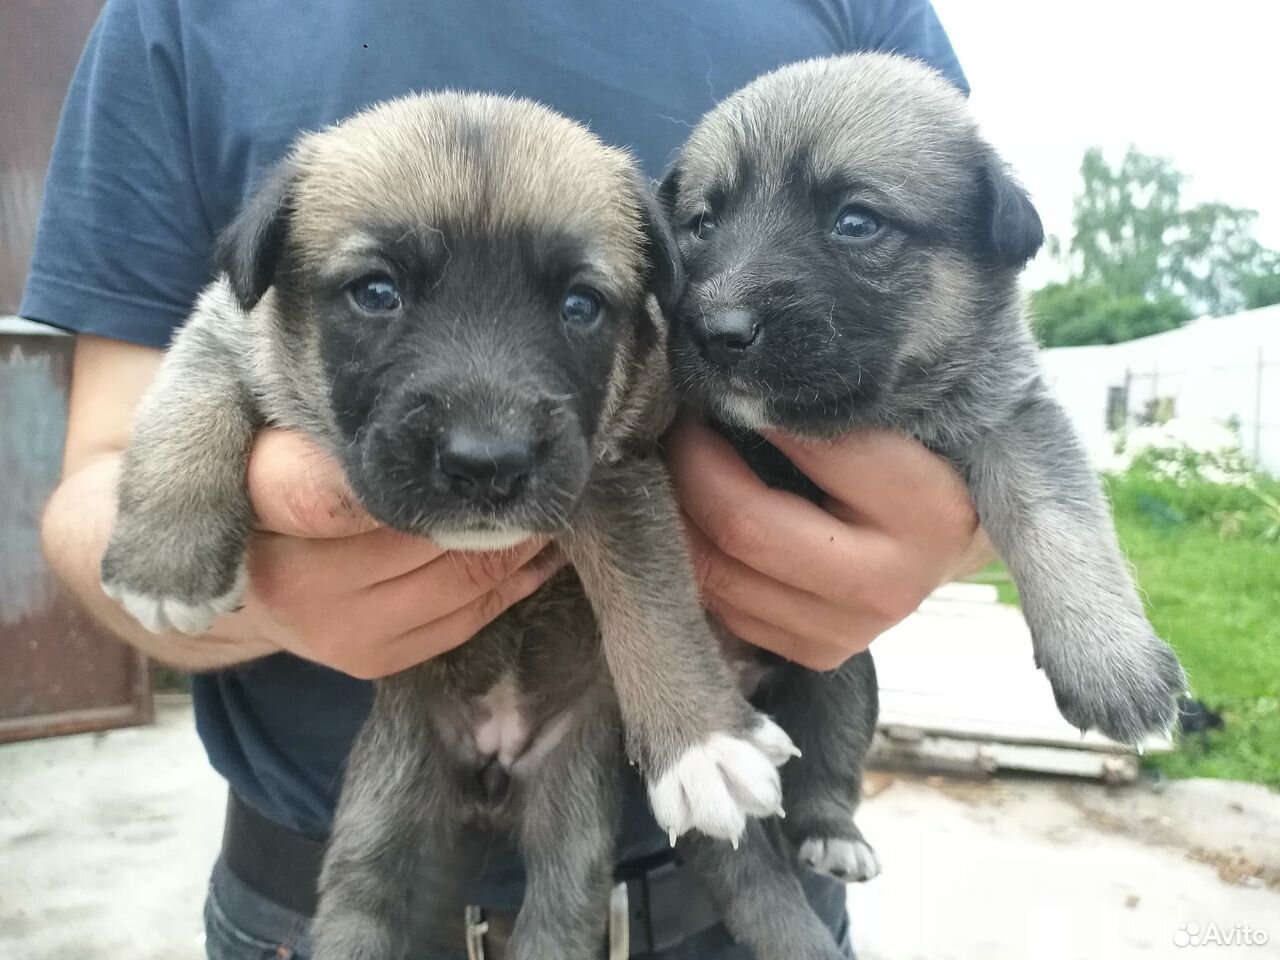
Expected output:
(375, 293)
(856, 223)
(581, 308)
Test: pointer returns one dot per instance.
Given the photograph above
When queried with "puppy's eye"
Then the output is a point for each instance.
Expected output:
(703, 225)
(375, 293)
(857, 223)
(581, 309)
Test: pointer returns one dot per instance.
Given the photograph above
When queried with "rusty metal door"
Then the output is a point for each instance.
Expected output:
(59, 673)
(40, 43)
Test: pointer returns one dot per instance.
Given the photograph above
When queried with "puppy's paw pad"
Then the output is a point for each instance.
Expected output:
(850, 860)
(714, 786)
(160, 614)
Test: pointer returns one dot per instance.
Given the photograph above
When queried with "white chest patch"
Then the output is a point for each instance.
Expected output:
(500, 728)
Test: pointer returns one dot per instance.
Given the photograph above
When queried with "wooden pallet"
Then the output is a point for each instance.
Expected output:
(959, 691)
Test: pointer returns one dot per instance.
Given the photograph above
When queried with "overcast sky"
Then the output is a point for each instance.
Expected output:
(1193, 81)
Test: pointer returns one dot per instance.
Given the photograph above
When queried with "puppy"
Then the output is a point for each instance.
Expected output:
(455, 295)
(852, 246)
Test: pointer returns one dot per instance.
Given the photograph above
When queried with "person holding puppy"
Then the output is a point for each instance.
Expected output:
(175, 111)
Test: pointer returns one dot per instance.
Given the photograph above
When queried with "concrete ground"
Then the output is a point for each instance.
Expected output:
(1042, 869)
(105, 841)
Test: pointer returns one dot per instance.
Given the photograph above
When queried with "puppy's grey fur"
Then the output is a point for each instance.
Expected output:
(910, 321)
(484, 215)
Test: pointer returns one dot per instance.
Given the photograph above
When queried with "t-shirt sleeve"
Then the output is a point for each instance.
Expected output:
(123, 244)
(910, 28)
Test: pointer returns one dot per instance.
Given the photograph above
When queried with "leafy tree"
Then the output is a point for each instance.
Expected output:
(1215, 256)
(1076, 313)
(1133, 237)
(1262, 290)
(1121, 219)
(1141, 262)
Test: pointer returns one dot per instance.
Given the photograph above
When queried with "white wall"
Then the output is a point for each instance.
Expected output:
(1214, 368)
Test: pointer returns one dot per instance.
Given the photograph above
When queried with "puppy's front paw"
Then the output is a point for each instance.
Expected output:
(850, 859)
(160, 614)
(1126, 687)
(172, 593)
(715, 785)
(772, 741)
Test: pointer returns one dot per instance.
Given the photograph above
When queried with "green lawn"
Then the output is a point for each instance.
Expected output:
(1217, 601)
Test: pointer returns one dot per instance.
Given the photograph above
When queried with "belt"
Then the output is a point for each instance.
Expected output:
(655, 906)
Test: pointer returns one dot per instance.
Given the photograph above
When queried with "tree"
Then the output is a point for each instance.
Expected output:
(1121, 219)
(1075, 313)
(1262, 290)
(1215, 258)
(1133, 237)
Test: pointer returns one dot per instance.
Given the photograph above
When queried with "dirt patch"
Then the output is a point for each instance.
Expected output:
(1237, 869)
(1103, 820)
(975, 791)
(1161, 829)
(876, 782)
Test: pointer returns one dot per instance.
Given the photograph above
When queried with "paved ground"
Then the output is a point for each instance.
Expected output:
(1036, 869)
(104, 842)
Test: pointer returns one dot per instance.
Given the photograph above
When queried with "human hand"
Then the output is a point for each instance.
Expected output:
(330, 584)
(816, 584)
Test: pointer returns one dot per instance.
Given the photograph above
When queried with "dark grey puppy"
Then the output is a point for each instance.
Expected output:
(453, 295)
(852, 247)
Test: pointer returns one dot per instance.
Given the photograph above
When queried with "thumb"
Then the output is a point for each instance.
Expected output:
(297, 489)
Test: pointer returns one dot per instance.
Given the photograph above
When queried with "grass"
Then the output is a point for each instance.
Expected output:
(1214, 594)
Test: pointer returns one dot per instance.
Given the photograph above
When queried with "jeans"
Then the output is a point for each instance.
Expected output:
(240, 924)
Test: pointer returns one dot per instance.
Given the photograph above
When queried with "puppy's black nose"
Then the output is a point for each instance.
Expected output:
(725, 336)
(485, 466)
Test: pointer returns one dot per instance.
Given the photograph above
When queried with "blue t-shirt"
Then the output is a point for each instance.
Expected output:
(178, 106)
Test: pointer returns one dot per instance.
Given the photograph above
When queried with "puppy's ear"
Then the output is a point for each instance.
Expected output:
(669, 190)
(665, 266)
(248, 250)
(1012, 226)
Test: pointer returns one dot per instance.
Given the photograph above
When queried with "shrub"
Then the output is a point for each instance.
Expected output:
(1183, 472)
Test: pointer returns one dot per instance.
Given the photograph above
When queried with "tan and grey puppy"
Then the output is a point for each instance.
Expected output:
(455, 295)
(852, 246)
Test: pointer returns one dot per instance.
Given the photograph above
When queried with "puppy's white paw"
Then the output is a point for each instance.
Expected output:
(714, 786)
(773, 741)
(162, 614)
(839, 857)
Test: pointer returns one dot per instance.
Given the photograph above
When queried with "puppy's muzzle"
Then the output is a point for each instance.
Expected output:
(486, 466)
(463, 463)
(726, 337)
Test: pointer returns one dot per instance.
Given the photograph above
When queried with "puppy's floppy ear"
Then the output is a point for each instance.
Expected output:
(669, 190)
(1013, 231)
(665, 266)
(248, 250)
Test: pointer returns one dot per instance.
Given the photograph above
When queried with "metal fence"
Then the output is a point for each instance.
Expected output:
(1245, 396)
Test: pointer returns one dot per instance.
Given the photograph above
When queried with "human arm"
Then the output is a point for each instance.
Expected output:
(326, 582)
